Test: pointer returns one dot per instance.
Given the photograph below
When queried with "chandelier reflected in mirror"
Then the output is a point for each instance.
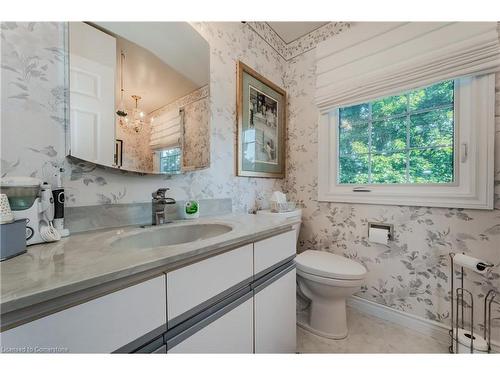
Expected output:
(135, 118)
(138, 116)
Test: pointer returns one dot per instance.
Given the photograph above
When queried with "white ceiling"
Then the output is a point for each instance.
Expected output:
(148, 76)
(176, 43)
(289, 31)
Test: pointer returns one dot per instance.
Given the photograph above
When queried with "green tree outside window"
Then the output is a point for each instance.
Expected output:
(401, 139)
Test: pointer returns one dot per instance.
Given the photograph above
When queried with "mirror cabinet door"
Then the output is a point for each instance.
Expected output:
(139, 101)
(92, 93)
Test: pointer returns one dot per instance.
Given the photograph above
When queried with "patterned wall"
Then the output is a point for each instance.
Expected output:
(412, 273)
(136, 153)
(196, 145)
(33, 118)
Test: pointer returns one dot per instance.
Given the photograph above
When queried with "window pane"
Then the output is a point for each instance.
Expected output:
(389, 135)
(400, 139)
(432, 96)
(389, 168)
(353, 170)
(433, 128)
(170, 160)
(354, 114)
(431, 165)
(391, 106)
(353, 139)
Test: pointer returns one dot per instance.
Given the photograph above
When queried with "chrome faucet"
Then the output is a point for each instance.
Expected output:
(159, 203)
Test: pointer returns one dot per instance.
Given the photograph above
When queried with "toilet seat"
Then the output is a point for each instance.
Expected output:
(341, 283)
(321, 266)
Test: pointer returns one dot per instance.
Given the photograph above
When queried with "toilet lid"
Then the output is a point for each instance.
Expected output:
(322, 263)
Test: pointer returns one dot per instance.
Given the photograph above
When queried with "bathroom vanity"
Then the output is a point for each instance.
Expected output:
(231, 288)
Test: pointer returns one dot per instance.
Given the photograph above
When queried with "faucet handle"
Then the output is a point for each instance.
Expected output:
(160, 193)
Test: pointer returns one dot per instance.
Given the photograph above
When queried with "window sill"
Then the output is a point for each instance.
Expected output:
(441, 200)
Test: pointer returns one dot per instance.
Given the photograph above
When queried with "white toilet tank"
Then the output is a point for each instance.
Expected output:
(294, 216)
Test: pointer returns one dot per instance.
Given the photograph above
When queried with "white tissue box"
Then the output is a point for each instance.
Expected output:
(282, 207)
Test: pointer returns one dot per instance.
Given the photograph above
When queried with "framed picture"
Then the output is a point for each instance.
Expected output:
(261, 118)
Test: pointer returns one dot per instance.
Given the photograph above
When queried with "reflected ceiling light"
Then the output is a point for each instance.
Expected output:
(138, 116)
(122, 110)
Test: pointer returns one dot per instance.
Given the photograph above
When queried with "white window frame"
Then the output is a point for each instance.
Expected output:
(473, 185)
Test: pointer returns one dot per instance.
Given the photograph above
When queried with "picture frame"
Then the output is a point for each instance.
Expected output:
(261, 125)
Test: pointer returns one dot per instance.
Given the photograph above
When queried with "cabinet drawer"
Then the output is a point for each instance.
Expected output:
(230, 333)
(192, 288)
(101, 325)
(273, 250)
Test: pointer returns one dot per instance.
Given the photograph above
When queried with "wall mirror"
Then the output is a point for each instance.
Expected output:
(139, 96)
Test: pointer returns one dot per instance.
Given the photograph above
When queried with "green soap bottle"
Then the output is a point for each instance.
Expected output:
(192, 209)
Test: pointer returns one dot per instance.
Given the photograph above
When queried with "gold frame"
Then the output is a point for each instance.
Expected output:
(242, 68)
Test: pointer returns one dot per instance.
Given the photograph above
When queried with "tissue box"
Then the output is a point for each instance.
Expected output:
(282, 207)
(12, 239)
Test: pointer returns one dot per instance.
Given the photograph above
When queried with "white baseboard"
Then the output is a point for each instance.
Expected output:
(427, 327)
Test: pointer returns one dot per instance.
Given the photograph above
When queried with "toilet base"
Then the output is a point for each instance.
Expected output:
(302, 322)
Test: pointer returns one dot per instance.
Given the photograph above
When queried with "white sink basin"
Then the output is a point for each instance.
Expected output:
(166, 235)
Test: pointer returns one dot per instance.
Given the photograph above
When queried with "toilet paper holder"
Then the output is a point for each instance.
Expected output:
(462, 298)
(388, 227)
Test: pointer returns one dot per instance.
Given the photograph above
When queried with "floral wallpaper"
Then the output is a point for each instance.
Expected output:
(412, 273)
(33, 66)
(136, 153)
(299, 45)
(32, 107)
(196, 145)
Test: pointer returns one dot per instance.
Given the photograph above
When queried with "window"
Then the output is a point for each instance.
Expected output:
(431, 146)
(170, 160)
(402, 139)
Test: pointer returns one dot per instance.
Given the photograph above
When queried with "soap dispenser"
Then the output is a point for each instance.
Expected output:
(191, 209)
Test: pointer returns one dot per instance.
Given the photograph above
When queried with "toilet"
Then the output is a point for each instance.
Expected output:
(326, 280)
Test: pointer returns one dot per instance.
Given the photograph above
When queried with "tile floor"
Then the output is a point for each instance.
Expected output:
(368, 334)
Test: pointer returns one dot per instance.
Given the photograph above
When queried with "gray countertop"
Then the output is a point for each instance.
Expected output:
(87, 260)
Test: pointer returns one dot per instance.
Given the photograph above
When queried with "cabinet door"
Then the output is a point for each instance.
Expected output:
(192, 288)
(101, 325)
(275, 317)
(230, 333)
(92, 93)
(273, 250)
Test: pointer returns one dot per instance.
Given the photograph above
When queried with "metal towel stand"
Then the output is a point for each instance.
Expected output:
(457, 304)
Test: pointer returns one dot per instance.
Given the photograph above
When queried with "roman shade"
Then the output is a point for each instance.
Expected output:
(166, 130)
(377, 59)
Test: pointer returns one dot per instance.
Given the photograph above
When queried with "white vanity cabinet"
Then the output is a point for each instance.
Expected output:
(273, 250)
(275, 317)
(239, 301)
(224, 332)
(275, 294)
(192, 288)
(101, 325)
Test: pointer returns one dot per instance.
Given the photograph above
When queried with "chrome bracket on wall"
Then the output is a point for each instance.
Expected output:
(388, 227)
